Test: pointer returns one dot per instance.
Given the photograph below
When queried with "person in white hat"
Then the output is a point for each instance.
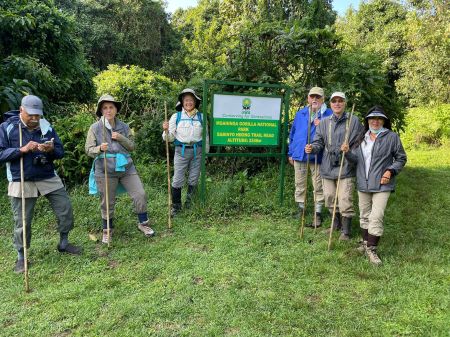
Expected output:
(112, 138)
(185, 129)
(40, 147)
(316, 111)
(330, 135)
(379, 157)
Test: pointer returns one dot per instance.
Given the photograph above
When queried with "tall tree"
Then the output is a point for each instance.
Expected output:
(40, 53)
(122, 32)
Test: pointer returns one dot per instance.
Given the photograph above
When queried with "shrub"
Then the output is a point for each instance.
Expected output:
(427, 126)
(142, 93)
(72, 124)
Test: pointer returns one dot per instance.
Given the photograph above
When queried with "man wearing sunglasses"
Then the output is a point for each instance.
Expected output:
(331, 134)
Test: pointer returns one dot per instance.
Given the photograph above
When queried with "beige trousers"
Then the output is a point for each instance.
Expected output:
(371, 211)
(132, 184)
(300, 183)
(345, 197)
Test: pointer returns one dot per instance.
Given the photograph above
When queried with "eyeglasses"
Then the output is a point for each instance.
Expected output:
(338, 100)
(315, 96)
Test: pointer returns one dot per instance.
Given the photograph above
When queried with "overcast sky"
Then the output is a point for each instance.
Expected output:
(339, 5)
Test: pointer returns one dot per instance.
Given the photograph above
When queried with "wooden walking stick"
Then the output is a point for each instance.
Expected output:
(105, 163)
(315, 196)
(169, 195)
(302, 227)
(24, 220)
(347, 131)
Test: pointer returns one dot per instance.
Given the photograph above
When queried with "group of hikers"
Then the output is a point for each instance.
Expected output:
(373, 153)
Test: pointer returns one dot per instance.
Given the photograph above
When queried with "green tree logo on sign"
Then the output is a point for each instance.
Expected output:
(246, 105)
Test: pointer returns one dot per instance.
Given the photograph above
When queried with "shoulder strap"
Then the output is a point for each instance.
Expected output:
(178, 117)
(200, 117)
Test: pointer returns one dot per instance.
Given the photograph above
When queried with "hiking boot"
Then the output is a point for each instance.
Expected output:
(373, 256)
(145, 228)
(105, 238)
(19, 267)
(362, 247)
(70, 249)
(318, 221)
(346, 228)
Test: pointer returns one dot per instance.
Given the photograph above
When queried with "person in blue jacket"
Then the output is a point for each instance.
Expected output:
(298, 138)
(39, 148)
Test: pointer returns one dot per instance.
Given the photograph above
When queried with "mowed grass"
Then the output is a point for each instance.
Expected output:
(236, 267)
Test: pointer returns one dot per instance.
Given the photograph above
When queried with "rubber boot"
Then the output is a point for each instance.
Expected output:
(318, 221)
(190, 194)
(346, 228)
(176, 201)
(371, 251)
(337, 223)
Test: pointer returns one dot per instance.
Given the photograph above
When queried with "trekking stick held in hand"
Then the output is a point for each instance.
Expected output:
(24, 220)
(347, 131)
(315, 196)
(105, 163)
(302, 227)
(169, 196)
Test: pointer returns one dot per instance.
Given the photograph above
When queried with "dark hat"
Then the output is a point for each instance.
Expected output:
(107, 98)
(187, 91)
(377, 111)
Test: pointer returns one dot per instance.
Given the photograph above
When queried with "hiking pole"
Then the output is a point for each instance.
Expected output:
(24, 220)
(307, 169)
(105, 163)
(339, 177)
(169, 196)
(315, 196)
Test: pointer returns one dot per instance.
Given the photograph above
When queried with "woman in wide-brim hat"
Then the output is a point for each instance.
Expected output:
(112, 138)
(379, 157)
(185, 129)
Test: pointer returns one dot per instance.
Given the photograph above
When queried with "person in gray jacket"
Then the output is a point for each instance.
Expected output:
(111, 138)
(329, 137)
(379, 157)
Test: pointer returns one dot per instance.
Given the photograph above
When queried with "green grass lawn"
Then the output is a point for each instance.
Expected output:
(236, 267)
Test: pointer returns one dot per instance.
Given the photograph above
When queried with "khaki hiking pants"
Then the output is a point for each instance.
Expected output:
(345, 197)
(300, 183)
(132, 184)
(371, 211)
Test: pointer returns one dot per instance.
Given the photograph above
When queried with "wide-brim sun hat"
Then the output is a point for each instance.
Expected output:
(107, 98)
(187, 91)
(377, 111)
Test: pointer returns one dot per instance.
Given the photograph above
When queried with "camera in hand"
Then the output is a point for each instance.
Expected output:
(40, 160)
(335, 157)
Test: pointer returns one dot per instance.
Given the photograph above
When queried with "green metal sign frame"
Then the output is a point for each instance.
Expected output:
(282, 155)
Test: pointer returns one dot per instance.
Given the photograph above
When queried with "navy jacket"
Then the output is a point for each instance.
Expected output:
(298, 135)
(10, 152)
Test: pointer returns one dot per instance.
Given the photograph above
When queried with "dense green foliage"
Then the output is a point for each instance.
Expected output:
(38, 45)
(72, 124)
(413, 43)
(122, 32)
(143, 94)
(236, 269)
(427, 126)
